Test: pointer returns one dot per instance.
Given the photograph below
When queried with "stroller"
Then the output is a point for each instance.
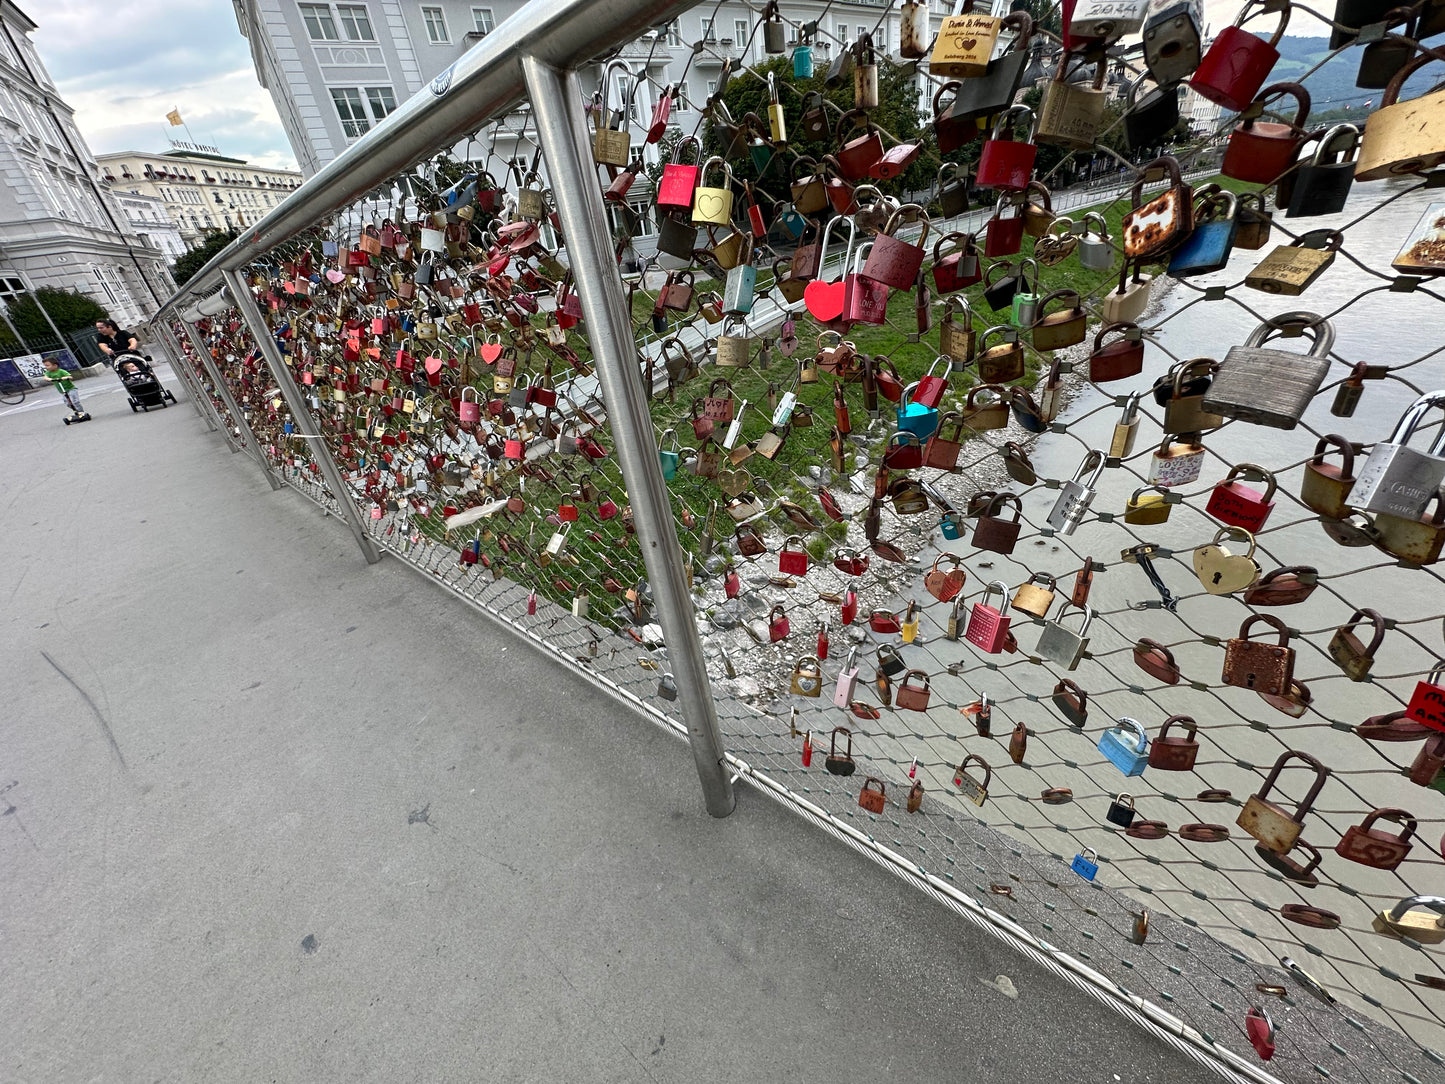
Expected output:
(145, 390)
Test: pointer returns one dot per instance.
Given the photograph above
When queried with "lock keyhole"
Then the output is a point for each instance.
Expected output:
(1218, 576)
(1249, 682)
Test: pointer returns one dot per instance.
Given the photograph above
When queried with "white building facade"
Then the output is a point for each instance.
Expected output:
(58, 227)
(151, 223)
(200, 191)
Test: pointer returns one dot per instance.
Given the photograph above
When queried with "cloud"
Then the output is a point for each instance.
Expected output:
(124, 65)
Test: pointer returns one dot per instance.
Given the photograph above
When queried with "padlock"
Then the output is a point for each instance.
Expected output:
(1077, 494)
(1369, 846)
(975, 790)
(847, 680)
(858, 157)
(1322, 184)
(1169, 753)
(1207, 249)
(873, 795)
(1326, 488)
(999, 295)
(1238, 63)
(865, 300)
(1126, 746)
(1427, 702)
(793, 559)
(1018, 465)
(778, 626)
(1096, 250)
(1172, 40)
(953, 187)
(1004, 233)
(1259, 1029)
(1283, 587)
(982, 415)
(840, 761)
(1412, 918)
(1003, 362)
(915, 797)
(1290, 269)
(1105, 21)
(1086, 868)
(957, 270)
(1034, 598)
(911, 696)
(1058, 242)
(1058, 644)
(987, 625)
(1396, 478)
(1221, 571)
(1126, 303)
(1151, 231)
(1259, 151)
(965, 43)
(733, 345)
(1349, 654)
(1268, 822)
(956, 624)
(1072, 702)
(995, 533)
(865, 72)
(610, 146)
(1402, 137)
(893, 262)
(1238, 505)
(1415, 542)
(1072, 113)
(1121, 810)
(1253, 221)
(1126, 429)
(945, 444)
(1064, 328)
(1146, 507)
(1429, 763)
(1251, 664)
(739, 284)
(1181, 392)
(1156, 660)
(1176, 463)
(712, 205)
(807, 680)
(1005, 163)
(989, 92)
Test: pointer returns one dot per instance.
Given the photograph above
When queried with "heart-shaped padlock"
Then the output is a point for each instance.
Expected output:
(1222, 572)
(945, 586)
(733, 482)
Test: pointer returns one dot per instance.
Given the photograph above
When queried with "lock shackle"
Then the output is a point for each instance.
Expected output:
(1050, 581)
(860, 256)
(1124, 797)
(1088, 851)
(908, 212)
(1215, 206)
(1432, 903)
(1279, 90)
(1006, 122)
(1253, 471)
(1403, 817)
(1298, 323)
(1414, 414)
(1098, 459)
(1232, 533)
(827, 236)
(1169, 164)
(990, 587)
(1095, 216)
(1088, 612)
(1140, 737)
(1007, 333)
(1321, 773)
(1328, 140)
(1377, 623)
(677, 150)
(1191, 728)
(727, 172)
(851, 120)
(1023, 278)
(964, 244)
(1061, 221)
(833, 742)
(1264, 6)
(1122, 327)
(972, 758)
(1131, 411)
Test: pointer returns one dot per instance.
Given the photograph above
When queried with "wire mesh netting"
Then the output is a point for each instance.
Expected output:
(1062, 578)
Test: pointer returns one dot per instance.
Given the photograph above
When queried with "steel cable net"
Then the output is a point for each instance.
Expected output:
(1128, 501)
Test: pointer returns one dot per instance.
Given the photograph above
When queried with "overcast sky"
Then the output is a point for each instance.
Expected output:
(125, 64)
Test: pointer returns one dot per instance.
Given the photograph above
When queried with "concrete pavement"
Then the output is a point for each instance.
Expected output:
(272, 815)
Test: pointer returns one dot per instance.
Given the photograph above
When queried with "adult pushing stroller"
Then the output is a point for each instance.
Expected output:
(140, 382)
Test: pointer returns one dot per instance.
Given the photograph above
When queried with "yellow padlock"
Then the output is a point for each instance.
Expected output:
(910, 623)
(713, 206)
(1146, 507)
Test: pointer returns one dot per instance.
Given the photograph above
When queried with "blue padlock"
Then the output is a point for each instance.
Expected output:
(802, 61)
(918, 419)
(1083, 867)
(1126, 745)
(1208, 247)
(669, 457)
(793, 222)
(953, 526)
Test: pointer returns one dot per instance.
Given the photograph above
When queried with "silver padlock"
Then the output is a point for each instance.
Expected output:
(1108, 19)
(1076, 495)
(1171, 40)
(736, 428)
(1399, 479)
(558, 542)
(1096, 250)
(1058, 645)
(786, 402)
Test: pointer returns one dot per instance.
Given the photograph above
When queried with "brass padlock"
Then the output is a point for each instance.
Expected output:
(1352, 656)
(1416, 541)
(1035, 596)
(1146, 507)
(1268, 822)
(1181, 393)
(610, 146)
(1326, 488)
(1126, 429)
(1404, 920)
(1290, 269)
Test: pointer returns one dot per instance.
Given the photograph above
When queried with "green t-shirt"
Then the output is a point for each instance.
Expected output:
(62, 380)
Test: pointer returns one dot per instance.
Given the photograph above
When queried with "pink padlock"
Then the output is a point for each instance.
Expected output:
(469, 410)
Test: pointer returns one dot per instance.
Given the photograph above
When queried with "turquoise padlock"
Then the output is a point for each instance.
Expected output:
(952, 525)
(918, 419)
(803, 62)
(670, 458)
(793, 222)
(1126, 745)
(738, 289)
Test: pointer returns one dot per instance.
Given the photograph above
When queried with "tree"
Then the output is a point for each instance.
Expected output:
(186, 266)
(69, 309)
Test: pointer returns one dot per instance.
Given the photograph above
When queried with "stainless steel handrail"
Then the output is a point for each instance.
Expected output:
(480, 86)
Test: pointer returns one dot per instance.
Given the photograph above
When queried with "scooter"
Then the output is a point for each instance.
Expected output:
(76, 418)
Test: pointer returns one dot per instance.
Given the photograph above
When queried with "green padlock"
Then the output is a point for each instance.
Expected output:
(670, 458)
(1026, 298)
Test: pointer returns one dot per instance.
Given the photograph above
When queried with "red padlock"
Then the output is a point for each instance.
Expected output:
(531, 603)
(1263, 151)
(987, 625)
(778, 627)
(1004, 234)
(858, 157)
(1007, 163)
(822, 639)
(567, 511)
(1427, 703)
(660, 114)
(679, 180)
(1170, 753)
(793, 560)
(849, 611)
(1257, 1024)
(865, 300)
(1429, 761)
(893, 262)
(1237, 64)
(884, 622)
(1369, 846)
(929, 389)
(469, 410)
(1120, 358)
(732, 584)
(1237, 504)
(808, 749)
(960, 268)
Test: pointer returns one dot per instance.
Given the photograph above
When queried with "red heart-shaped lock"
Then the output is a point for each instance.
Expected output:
(824, 299)
(490, 352)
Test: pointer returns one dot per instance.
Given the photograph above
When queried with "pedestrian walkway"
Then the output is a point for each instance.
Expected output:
(272, 814)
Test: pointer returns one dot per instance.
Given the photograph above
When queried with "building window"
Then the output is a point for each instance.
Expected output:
(483, 21)
(349, 109)
(843, 33)
(711, 88)
(319, 23)
(105, 286)
(436, 26)
(740, 31)
(707, 32)
(382, 102)
(674, 33)
(880, 38)
(355, 22)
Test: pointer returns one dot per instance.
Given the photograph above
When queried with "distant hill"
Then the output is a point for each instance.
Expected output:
(1333, 86)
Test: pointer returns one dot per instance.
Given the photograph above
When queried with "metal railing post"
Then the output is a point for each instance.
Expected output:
(237, 414)
(182, 370)
(556, 98)
(296, 403)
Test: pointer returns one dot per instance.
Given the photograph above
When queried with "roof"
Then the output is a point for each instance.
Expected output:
(13, 11)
